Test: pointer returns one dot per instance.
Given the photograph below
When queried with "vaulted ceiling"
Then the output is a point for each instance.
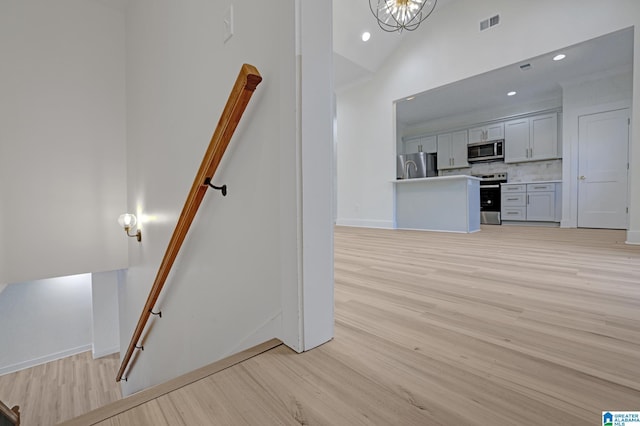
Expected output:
(355, 61)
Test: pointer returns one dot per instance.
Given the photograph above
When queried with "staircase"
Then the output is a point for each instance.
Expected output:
(247, 81)
(155, 392)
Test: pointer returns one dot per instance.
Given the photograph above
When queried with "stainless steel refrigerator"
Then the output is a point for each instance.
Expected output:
(416, 165)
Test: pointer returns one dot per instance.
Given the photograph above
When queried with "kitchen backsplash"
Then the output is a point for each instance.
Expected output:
(516, 172)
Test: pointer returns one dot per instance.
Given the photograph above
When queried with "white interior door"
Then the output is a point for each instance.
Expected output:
(603, 156)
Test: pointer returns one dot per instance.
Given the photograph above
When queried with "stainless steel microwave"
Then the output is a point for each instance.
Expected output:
(486, 151)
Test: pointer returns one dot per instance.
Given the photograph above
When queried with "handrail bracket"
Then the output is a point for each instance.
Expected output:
(222, 188)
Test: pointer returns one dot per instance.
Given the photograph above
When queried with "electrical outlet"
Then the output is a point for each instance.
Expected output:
(228, 23)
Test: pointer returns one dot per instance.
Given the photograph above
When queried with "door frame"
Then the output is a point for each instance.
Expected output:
(628, 158)
(570, 135)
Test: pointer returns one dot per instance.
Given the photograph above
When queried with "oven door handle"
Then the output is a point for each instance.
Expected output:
(490, 186)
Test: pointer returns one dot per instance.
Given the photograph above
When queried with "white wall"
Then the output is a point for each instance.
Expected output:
(62, 138)
(238, 280)
(448, 48)
(104, 314)
(2, 262)
(44, 320)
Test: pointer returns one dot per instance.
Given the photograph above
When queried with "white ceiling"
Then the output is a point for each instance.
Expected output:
(355, 60)
(610, 53)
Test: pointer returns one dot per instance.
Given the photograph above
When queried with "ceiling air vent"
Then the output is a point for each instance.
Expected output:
(489, 22)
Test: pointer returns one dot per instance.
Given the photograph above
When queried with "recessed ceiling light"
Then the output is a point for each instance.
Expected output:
(410, 98)
(366, 36)
(559, 57)
(512, 93)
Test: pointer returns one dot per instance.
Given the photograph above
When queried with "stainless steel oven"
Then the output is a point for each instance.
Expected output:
(490, 197)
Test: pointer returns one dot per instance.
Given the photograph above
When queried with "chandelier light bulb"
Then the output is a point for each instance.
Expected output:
(400, 15)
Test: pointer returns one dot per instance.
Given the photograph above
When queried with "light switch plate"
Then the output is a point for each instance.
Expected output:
(228, 23)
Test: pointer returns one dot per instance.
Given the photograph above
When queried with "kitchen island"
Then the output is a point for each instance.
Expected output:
(443, 203)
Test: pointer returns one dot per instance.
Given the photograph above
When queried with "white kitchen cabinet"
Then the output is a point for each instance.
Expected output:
(490, 132)
(513, 187)
(534, 202)
(443, 203)
(428, 144)
(513, 202)
(541, 206)
(514, 214)
(452, 150)
(531, 138)
(544, 137)
(516, 140)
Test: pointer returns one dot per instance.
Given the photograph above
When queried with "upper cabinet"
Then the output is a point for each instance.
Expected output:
(426, 144)
(544, 137)
(531, 138)
(452, 150)
(489, 132)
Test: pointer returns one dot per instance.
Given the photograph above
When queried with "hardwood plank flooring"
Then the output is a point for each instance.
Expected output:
(155, 392)
(508, 326)
(60, 390)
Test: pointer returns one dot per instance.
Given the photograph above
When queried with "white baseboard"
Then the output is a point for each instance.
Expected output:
(364, 223)
(43, 359)
(439, 230)
(633, 237)
(530, 223)
(265, 331)
(105, 352)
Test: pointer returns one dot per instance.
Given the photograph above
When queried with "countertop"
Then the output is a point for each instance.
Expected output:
(436, 178)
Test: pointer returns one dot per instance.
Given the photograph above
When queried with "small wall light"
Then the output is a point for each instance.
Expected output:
(128, 221)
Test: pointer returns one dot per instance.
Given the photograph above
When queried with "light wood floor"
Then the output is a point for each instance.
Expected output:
(60, 390)
(509, 326)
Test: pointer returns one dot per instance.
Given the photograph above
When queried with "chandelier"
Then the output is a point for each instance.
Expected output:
(399, 15)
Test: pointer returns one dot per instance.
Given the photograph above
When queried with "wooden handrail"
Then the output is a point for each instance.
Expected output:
(247, 81)
(11, 414)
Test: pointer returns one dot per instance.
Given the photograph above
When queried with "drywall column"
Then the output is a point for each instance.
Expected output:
(315, 61)
(633, 234)
(104, 297)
